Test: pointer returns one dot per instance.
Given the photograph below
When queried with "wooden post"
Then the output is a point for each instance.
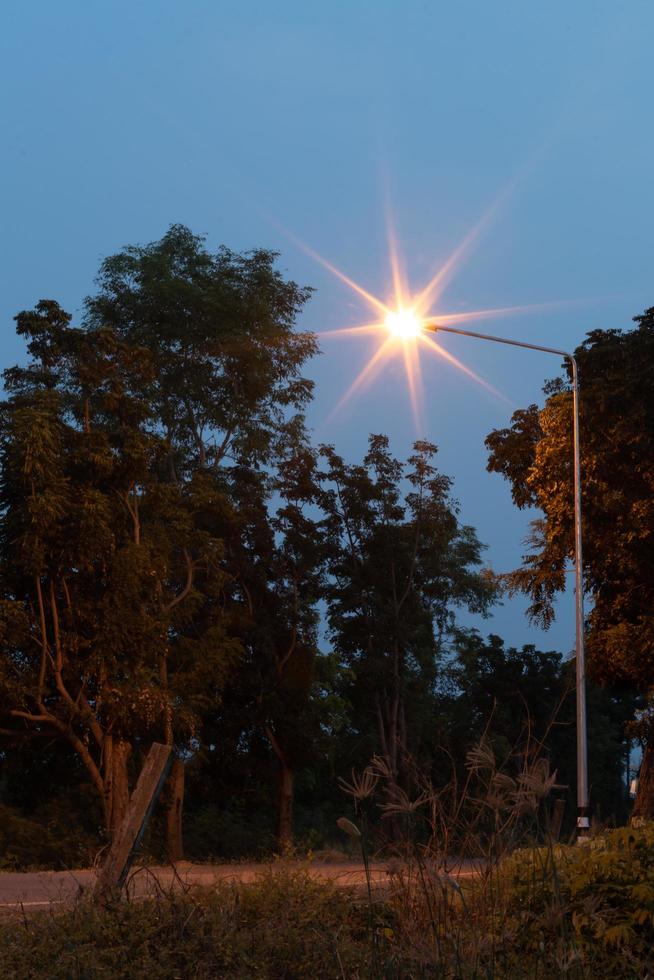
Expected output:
(130, 833)
(556, 819)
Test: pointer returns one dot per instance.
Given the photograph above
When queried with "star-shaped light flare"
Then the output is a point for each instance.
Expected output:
(405, 324)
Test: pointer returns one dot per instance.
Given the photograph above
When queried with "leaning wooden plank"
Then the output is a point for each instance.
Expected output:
(128, 836)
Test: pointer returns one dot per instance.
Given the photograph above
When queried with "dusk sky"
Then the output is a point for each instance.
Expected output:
(263, 124)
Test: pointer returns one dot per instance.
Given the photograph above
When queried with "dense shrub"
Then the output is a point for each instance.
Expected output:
(228, 832)
(596, 899)
(47, 839)
(285, 925)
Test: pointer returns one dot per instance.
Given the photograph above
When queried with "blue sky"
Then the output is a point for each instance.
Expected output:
(240, 119)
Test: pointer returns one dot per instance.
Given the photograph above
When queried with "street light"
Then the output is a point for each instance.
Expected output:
(582, 748)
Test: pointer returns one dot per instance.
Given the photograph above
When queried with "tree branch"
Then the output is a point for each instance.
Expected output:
(35, 719)
(276, 747)
(59, 659)
(196, 432)
(133, 511)
(414, 556)
(291, 647)
(44, 640)
(68, 733)
(190, 569)
(229, 432)
(89, 714)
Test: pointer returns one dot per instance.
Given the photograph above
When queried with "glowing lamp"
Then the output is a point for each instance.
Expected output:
(404, 324)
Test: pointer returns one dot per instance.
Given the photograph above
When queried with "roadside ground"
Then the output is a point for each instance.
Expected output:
(31, 891)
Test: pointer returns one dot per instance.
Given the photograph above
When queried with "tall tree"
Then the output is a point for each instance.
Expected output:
(616, 372)
(400, 563)
(103, 565)
(116, 440)
(220, 328)
(275, 556)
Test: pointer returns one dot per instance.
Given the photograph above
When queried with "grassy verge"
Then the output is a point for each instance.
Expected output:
(285, 925)
(543, 912)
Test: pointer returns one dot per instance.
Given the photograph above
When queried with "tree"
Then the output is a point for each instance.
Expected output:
(616, 373)
(275, 558)
(104, 565)
(523, 700)
(220, 328)
(510, 694)
(116, 441)
(399, 565)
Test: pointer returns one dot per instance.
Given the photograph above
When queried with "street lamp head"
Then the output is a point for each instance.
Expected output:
(404, 324)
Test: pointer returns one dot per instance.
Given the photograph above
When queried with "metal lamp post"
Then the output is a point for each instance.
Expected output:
(582, 748)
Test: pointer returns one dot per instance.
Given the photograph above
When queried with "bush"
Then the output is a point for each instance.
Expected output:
(595, 899)
(47, 839)
(229, 832)
(286, 925)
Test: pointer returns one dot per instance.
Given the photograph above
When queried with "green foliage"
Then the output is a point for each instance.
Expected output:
(118, 443)
(612, 890)
(284, 926)
(54, 837)
(616, 377)
(399, 565)
(274, 555)
(220, 331)
(229, 831)
(487, 688)
(527, 696)
(601, 894)
(98, 551)
(616, 400)
(584, 912)
(169, 543)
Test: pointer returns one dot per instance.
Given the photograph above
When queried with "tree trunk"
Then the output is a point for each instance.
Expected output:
(116, 781)
(174, 810)
(285, 825)
(285, 798)
(644, 805)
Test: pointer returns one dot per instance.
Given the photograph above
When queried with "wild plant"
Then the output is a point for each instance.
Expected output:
(449, 897)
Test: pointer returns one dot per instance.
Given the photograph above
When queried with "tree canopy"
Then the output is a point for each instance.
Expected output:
(179, 563)
(399, 564)
(116, 442)
(616, 375)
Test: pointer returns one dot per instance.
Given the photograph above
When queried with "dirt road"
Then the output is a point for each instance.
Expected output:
(43, 889)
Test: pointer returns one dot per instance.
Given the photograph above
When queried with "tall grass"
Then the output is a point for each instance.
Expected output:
(547, 911)
(479, 886)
